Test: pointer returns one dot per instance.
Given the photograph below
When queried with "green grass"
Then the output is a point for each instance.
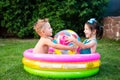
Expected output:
(11, 54)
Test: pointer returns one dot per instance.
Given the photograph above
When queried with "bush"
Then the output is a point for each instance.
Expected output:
(19, 16)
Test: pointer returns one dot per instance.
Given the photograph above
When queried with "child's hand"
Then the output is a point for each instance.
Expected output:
(73, 48)
(69, 39)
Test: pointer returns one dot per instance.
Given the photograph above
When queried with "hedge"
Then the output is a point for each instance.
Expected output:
(19, 16)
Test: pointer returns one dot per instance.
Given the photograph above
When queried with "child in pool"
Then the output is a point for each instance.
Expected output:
(91, 30)
(44, 30)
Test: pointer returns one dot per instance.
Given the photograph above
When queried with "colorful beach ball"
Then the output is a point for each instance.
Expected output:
(60, 39)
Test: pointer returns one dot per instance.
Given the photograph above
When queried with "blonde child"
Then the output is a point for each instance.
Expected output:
(44, 30)
(91, 30)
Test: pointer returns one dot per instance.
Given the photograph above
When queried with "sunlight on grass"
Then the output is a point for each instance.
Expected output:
(11, 54)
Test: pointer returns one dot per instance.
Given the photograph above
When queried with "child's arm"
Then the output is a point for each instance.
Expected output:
(84, 46)
(80, 44)
(58, 46)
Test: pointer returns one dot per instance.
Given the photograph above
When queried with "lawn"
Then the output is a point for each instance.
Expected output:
(11, 54)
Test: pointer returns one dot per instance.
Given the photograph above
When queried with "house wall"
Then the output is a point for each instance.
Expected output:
(112, 27)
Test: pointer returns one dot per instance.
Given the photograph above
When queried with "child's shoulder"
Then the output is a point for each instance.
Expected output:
(90, 40)
(94, 40)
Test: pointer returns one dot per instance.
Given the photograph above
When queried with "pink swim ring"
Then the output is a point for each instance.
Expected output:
(61, 58)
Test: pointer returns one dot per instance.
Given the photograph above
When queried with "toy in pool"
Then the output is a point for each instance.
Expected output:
(60, 39)
(61, 66)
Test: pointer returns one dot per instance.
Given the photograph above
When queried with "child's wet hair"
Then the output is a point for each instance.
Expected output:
(94, 25)
(39, 24)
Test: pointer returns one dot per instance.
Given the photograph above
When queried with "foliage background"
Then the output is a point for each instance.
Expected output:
(17, 17)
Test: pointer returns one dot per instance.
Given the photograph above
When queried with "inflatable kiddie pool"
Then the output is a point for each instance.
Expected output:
(62, 65)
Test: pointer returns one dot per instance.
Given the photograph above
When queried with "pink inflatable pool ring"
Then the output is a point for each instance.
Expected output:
(53, 65)
(61, 58)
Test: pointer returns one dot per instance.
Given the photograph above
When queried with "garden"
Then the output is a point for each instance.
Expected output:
(12, 53)
(17, 34)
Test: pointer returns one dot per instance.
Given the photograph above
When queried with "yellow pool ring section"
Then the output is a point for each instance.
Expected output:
(61, 66)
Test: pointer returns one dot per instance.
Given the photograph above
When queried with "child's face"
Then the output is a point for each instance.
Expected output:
(48, 30)
(87, 31)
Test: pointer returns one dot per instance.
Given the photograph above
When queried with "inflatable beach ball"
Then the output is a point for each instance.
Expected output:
(59, 38)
